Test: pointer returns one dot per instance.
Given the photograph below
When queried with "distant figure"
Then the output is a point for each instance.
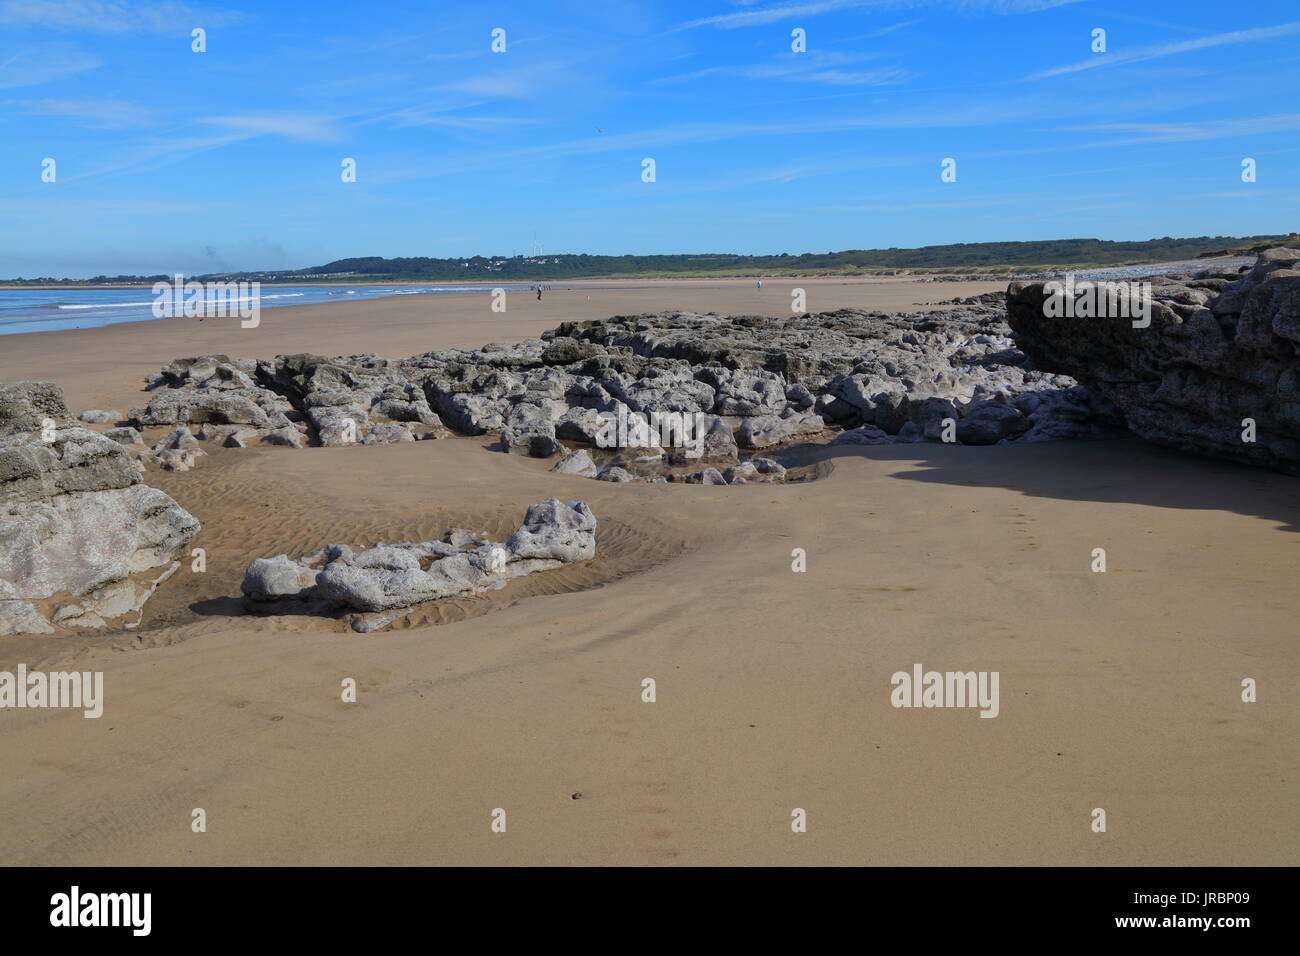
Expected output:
(758, 284)
(539, 293)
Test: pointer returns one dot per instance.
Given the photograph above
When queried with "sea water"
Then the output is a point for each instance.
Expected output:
(49, 310)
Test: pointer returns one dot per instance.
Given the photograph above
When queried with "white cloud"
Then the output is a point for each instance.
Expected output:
(886, 76)
(1203, 129)
(113, 16)
(303, 126)
(44, 63)
(503, 85)
(793, 63)
(155, 154)
(91, 112)
(813, 67)
(1142, 54)
(812, 8)
(1010, 7)
(436, 117)
(910, 206)
(543, 80)
(783, 11)
(1246, 192)
(883, 31)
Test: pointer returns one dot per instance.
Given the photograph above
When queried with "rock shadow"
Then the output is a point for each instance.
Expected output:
(1122, 470)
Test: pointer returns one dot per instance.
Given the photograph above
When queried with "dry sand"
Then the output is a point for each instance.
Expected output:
(1118, 690)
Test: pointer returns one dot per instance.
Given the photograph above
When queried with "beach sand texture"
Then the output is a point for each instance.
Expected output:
(1118, 690)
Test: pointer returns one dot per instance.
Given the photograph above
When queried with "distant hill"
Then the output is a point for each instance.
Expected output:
(974, 256)
(977, 256)
(1257, 247)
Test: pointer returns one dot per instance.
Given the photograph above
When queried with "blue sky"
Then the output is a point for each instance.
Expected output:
(173, 160)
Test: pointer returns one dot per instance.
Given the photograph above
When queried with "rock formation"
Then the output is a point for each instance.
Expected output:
(1221, 352)
(83, 543)
(290, 401)
(381, 581)
(749, 383)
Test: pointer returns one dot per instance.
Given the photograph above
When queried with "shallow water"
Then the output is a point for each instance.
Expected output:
(50, 310)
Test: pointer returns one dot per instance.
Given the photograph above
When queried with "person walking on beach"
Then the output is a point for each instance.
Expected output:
(758, 284)
(539, 293)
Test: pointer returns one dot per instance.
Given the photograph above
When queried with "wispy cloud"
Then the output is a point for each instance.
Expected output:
(813, 8)
(782, 11)
(911, 206)
(788, 64)
(1009, 7)
(542, 80)
(114, 16)
(437, 117)
(303, 126)
(1202, 129)
(91, 112)
(886, 76)
(25, 209)
(154, 155)
(815, 66)
(1246, 192)
(883, 31)
(992, 114)
(505, 85)
(1142, 54)
(44, 63)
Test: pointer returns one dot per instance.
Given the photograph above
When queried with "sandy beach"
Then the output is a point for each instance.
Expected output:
(1118, 690)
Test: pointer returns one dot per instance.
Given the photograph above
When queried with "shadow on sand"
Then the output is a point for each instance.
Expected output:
(1123, 470)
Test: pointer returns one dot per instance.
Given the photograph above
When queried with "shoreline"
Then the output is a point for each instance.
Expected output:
(587, 286)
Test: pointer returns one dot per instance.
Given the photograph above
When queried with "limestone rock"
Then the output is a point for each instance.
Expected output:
(75, 519)
(97, 416)
(1193, 377)
(577, 462)
(378, 582)
(24, 406)
(270, 579)
(615, 473)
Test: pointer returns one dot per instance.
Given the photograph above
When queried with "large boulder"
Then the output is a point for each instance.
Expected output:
(272, 579)
(25, 406)
(577, 462)
(764, 431)
(1216, 376)
(987, 423)
(82, 541)
(556, 530)
(530, 430)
